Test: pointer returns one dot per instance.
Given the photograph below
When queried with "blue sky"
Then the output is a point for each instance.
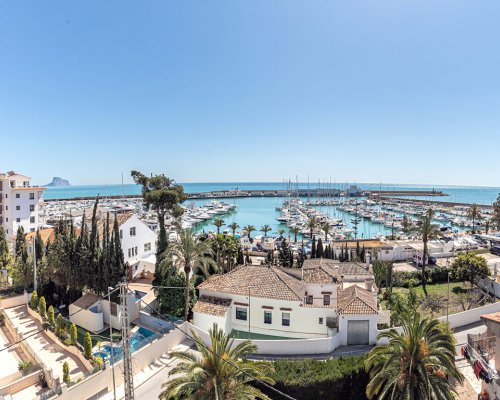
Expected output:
(393, 91)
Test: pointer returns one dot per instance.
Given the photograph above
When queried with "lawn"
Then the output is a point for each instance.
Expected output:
(440, 289)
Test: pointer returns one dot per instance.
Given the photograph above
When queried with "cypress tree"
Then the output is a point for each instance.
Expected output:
(118, 267)
(319, 249)
(313, 248)
(66, 377)
(50, 316)
(357, 249)
(87, 348)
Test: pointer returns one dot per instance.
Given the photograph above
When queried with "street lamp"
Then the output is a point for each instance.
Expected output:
(110, 289)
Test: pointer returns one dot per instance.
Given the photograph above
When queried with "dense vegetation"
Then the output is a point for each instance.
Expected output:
(339, 378)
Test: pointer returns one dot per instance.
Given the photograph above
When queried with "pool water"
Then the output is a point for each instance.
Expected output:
(101, 354)
(138, 340)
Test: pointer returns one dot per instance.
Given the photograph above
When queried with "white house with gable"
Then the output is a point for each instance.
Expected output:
(263, 302)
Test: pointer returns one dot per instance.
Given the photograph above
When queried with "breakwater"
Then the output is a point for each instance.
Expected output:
(274, 193)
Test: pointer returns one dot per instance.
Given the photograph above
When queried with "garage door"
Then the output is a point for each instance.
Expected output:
(358, 332)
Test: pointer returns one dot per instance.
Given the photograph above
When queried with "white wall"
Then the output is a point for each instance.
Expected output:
(205, 322)
(87, 319)
(285, 347)
(14, 301)
(304, 321)
(142, 236)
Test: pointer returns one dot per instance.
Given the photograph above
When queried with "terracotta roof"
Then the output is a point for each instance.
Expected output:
(46, 234)
(101, 221)
(323, 275)
(263, 282)
(357, 301)
(334, 268)
(495, 317)
(87, 300)
(212, 306)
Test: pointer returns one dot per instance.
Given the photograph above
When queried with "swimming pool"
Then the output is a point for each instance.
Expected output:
(101, 354)
(139, 339)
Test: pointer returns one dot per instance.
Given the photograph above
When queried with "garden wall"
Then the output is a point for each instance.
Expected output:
(9, 302)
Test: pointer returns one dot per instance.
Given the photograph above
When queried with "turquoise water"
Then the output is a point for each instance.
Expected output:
(259, 211)
(465, 194)
(138, 340)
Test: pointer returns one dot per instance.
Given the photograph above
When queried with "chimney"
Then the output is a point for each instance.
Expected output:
(369, 284)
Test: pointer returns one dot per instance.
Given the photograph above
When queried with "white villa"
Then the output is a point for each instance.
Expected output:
(138, 243)
(324, 299)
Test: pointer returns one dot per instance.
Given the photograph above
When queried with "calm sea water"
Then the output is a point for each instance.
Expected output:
(465, 194)
(259, 211)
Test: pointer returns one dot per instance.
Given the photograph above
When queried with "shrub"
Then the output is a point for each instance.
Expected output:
(73, 333)
(50, 316)
(34, 300)
(99, 362)
(42, 307)
(87, 348)
(59, 325)
(24, 366)
(339, 378)
(67, 341)
(66, 377)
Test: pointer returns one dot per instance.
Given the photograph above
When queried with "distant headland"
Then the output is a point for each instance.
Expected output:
(57, 181)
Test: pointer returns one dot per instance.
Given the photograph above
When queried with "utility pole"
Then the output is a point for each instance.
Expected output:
(112, 358)
(128, 376)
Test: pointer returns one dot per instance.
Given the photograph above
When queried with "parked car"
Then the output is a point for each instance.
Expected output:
(495, 250)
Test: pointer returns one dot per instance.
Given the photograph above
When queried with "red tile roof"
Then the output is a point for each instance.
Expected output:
(356, 301)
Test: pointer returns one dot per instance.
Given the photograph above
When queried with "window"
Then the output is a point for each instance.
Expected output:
(132, 231)
(6, 208)
(32, 196)
(135, 248)
(6, 196)
(121, 233)
(268, 317)
(18, 208)
(32, 220)
(18, 219)
(32, 207)
(285, 319)
(129, 255)
(32, 230)
(321, 321)
(326, 300)
(18, 195)
(147, 247)
(309, 299)
(114, 309)
(241, 313)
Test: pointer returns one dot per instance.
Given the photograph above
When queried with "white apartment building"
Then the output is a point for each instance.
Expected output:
(20, 204)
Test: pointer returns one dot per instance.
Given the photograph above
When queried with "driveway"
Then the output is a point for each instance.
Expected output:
(52, 354)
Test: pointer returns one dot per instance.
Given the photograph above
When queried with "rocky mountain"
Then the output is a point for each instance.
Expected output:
(56, 181)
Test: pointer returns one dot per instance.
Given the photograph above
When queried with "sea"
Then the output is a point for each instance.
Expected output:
(259, 211)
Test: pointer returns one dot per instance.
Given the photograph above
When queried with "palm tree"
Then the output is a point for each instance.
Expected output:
(296, 230)
(266, 228)
(218, 224)
(249, 229)
(186, 253)
(427, 230)
(220, 372)
(312, 224)
(233, 227)
(474, 214)
(281, 232)
(325, 227)
(415, 364)
(407, 224)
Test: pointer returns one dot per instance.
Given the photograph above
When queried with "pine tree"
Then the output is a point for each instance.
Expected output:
(319, 249)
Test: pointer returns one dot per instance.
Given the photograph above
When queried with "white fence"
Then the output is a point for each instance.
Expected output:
(284, 347)
(459, 319)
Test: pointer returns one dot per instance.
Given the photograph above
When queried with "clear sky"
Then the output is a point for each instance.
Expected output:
(388, 90)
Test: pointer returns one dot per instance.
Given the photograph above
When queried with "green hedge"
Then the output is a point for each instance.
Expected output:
(434, 275)
(340, 378)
